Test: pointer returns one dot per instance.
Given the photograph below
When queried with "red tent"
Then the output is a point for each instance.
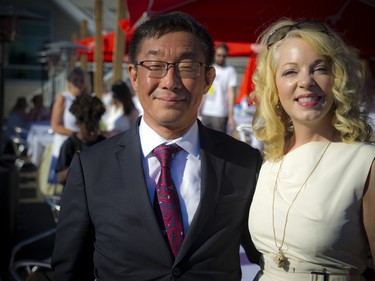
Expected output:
(247, 85)
(108, 42)
(243, 20)
(235, 48)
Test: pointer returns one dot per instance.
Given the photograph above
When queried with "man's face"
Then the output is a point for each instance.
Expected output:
(171, 102)
(220, 56)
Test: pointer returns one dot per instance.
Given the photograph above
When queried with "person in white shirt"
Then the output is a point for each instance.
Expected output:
(218, 104)
(121, 112)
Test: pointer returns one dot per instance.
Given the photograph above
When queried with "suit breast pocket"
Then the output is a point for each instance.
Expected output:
(229, 207)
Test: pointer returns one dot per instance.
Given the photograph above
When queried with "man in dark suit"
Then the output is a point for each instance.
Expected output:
(108, 226)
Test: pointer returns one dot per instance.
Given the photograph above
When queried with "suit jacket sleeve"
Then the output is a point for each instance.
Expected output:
(252, 253)
(73, 252)
(245, 162)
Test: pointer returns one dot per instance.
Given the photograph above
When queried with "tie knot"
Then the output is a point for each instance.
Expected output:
(165, 153)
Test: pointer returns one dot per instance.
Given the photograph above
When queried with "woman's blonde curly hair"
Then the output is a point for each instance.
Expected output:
(272, 125)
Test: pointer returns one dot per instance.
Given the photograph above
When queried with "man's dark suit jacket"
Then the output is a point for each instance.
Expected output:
(107, 224)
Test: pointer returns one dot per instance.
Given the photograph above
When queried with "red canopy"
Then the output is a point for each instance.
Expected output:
(235, 48)
(247, 85)
(243, 20)
(108, 42)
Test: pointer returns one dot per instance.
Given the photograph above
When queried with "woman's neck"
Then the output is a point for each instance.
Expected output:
(301, 137)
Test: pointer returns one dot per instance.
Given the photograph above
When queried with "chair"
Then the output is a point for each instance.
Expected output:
(19, 147)
(28, 269)
(33, 269)
(19, 140)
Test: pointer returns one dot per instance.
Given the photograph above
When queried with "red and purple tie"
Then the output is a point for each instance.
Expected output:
(167, 197)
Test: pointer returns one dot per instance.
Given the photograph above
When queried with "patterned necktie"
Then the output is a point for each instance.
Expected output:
(167, 197)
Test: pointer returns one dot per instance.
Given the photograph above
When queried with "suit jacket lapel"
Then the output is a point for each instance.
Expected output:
(211, 177)
(129, 159)
(129, 151)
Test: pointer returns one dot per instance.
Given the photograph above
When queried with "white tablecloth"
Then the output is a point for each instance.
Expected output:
(40, 135)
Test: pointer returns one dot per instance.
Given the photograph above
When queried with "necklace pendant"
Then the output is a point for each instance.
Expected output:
(280, 258)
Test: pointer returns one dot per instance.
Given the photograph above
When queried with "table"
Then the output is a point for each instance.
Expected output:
(39, 137)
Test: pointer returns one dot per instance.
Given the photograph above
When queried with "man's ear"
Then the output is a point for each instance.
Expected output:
(133, 75)
(209, 78)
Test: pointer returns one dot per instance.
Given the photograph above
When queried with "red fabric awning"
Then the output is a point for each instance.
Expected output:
(243, 20)
(108, 42)
(235, 48)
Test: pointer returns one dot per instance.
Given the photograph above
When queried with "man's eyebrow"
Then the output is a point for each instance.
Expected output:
(184, 55)
(188, 55)
(153, 52)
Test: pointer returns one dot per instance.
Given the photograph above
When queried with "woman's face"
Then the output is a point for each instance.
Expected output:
(304, 83)
(77, 85)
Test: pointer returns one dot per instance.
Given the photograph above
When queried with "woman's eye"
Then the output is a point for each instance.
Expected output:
(321, 69)
(289, 72)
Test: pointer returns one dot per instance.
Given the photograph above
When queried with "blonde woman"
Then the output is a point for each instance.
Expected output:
(312, 216)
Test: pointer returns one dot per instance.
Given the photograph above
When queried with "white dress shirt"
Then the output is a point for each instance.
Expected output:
(185, 170)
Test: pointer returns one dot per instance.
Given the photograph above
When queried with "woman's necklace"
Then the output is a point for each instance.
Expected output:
(280, 258)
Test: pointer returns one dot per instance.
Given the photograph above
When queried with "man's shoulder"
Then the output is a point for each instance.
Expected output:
(108, 145)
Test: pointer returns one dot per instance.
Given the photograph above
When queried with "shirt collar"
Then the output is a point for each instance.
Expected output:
(150, 139)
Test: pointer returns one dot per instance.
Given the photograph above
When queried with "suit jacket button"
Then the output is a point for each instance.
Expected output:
(176, 272)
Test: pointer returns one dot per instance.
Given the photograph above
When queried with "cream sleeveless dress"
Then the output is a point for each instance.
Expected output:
(70, 122)
(324, 228)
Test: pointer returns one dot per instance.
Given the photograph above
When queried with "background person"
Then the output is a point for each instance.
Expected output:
(63, 122)
(218, 105)
(88, 111)
(312, 216)
(18, 118)
(112, 197)
(121, 113)
(38, 112)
